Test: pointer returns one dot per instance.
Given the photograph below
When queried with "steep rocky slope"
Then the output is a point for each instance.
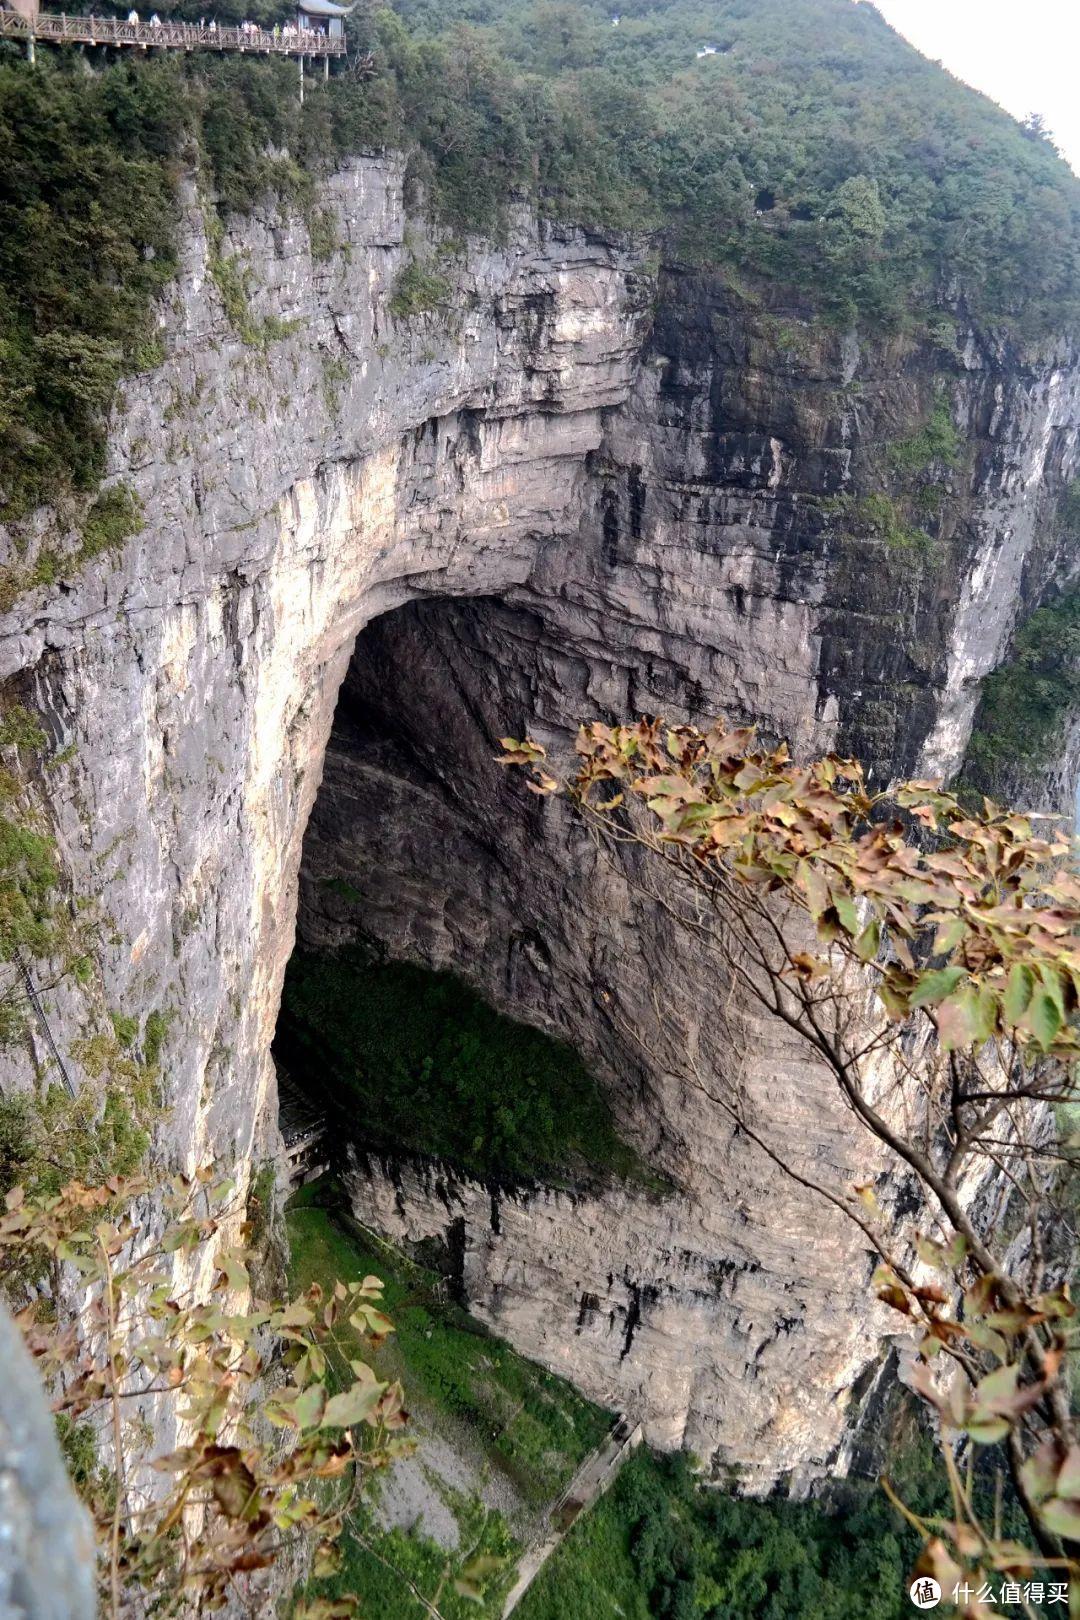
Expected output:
(641, 492)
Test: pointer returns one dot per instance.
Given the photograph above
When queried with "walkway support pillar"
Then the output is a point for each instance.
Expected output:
(301, 81)
(31, 55)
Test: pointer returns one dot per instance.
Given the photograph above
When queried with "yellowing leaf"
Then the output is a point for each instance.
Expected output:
(954, 1023)
(987, 1431)
(351, 1406)
(1062, 1517)
(309, 1406)
(296, 1315)
(949, 934)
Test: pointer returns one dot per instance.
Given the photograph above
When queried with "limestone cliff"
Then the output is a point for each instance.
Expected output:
(588, 487)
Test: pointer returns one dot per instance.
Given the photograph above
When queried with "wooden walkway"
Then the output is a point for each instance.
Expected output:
(61, 30)
(302, 1124)
(588, 1485)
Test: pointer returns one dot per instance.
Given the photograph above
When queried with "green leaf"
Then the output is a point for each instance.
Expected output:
(1051, 983)
(235, 1271)
(987, 1339)
(982, 1012)
(1043, 1019)
(1039, 1472)
(934, 1254)
(848, 913)
(997, 1391)
(1057, 1304)
(866, 946)
(935, 985)
(1017, 993)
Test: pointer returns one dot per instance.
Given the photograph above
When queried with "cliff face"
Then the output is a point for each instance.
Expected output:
(584, 492)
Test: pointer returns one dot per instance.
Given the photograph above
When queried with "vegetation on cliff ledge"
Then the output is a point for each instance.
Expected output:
(423, 1065)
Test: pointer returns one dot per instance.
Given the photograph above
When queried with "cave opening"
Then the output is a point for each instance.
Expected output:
(437, 994)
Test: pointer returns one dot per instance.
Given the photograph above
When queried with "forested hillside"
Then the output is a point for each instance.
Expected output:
(812, 149)
(814, 146)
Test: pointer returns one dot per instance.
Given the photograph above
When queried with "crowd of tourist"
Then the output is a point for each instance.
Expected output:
(284, 31)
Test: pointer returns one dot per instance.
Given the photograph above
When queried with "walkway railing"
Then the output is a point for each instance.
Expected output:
(61, 30)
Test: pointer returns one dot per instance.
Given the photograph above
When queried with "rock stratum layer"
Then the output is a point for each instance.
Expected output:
(576, 488)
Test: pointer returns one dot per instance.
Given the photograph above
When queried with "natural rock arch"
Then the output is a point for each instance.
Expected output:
(712, 1315)
(650, 482)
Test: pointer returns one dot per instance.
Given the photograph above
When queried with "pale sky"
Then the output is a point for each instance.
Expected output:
(1023, 53)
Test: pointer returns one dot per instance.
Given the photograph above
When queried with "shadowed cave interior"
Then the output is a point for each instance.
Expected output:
(435, 889)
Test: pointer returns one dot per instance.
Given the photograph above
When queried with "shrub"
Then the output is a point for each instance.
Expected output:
(417, 291)
(112, 520)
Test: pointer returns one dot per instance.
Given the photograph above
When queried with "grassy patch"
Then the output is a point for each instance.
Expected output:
(417, 292)
(157, 1027)
(232, 277)
(937, 443)
(378, 1565)
(659, 1546)
(113, 519)
(532, 1425)
(323, 234)
(423, 1065)
(878, 517)
(109, 522)
(463, 1383)
(20, 729)
(48, 1138)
